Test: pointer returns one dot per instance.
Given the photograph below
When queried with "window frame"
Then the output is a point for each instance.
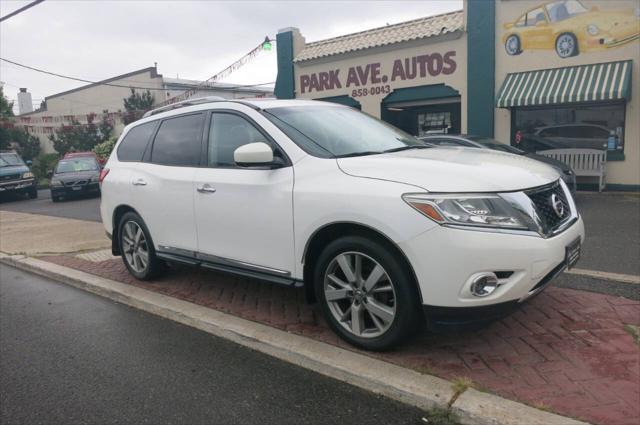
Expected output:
(207, 140)
(148, 155)
(146, 147)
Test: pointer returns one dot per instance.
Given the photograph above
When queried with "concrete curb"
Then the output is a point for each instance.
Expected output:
(407, 386)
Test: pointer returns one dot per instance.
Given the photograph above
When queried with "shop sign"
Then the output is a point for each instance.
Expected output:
(373, 78)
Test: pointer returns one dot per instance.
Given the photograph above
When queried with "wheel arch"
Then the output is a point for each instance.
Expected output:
(118, 212)
(330, 232)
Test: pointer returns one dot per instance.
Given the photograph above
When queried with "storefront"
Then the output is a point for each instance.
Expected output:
(534, 74)
(411, 74)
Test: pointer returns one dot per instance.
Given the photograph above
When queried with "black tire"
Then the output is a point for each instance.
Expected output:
(154, 265)
(33, 193)
(512, 45)
(55, 198)
(406, 300)
(567, 45)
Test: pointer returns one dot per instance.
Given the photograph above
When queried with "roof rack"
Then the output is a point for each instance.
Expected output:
(189, 102)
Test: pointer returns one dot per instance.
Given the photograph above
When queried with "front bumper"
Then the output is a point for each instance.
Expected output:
(18, 185)
(446, 261)
(90, 188)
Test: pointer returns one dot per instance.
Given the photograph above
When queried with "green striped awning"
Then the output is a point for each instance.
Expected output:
(584, 83)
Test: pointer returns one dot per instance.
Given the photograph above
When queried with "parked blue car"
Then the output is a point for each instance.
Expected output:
(15, 175)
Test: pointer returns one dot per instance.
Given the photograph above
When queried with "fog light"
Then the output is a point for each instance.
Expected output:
(484, 285)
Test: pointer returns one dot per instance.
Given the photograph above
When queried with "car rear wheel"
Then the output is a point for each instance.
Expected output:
(367, 296)
(136, 246)
(566, 45)
(512, 45)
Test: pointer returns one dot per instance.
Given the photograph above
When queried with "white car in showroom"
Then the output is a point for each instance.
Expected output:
(378, 227)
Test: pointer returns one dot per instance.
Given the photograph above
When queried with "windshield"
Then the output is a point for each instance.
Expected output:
(496, 146)
(330, 132)
(77, 164)
(9, 159)
(561, 10)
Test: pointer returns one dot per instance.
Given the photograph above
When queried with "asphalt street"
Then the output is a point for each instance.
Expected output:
(78, 208)
(67, 356)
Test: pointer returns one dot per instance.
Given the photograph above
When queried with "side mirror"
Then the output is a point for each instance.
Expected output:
(29, 162)
(49, 173)
(541, 24)
(254, 154)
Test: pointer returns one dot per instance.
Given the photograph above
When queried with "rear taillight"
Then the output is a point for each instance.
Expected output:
(103, 174)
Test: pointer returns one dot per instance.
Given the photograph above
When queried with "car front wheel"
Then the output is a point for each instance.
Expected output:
(367, 296)
(136, 246)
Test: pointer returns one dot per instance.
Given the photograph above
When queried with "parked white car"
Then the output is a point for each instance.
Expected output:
(378, 227)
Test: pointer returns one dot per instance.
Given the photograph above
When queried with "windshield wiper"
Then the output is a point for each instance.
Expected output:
(361, 153)
(406, 148)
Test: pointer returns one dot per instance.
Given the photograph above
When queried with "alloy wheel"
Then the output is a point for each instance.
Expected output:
(512, 45)
(134, 246)
(360, 294)
(565, 45)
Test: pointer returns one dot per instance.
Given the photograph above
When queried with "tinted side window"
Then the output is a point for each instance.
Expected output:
(227, 133)
(178, 141)
(135, 142)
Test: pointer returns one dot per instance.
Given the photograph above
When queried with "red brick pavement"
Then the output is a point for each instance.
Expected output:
(566, 350)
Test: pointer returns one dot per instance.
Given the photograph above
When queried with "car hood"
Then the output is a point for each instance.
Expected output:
(446, 169)
(13, 169)
(79, 175)
(551, 161)
(605, 20)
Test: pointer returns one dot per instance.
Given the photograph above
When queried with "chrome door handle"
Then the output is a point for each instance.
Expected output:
(139, 182)
(205, 188)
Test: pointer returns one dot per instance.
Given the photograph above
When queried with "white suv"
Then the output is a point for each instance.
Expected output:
(380, 228)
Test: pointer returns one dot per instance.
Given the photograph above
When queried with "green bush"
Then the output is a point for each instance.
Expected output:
(103, 150)
(42, 164)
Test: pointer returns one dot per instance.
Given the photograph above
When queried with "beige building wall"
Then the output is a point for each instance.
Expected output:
(618, 172)
(91, 99)
(385, 56)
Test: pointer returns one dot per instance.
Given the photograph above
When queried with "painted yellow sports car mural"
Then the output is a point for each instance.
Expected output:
(570, 28)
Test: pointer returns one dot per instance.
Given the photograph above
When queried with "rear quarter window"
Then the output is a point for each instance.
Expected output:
(135, 142)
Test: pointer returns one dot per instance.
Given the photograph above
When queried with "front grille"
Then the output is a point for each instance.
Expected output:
(551, 206)
(75, 183)
(8, 177)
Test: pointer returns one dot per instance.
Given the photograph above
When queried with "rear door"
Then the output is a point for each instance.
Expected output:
(244, 215)
(162, 186)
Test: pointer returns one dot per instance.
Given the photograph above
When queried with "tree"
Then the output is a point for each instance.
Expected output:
(6, 107)
(6, 120)
(81, 137)
(27, 145)
(136, 105)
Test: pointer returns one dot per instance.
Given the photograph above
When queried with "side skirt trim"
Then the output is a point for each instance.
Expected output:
(227, 266)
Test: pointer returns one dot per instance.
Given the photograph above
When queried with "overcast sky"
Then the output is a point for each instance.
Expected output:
(97, 39)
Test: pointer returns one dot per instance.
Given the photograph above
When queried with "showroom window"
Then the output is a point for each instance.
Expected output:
(570, 127)
(434, 123)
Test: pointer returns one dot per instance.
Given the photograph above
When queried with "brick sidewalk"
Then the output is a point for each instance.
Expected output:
(566, 350)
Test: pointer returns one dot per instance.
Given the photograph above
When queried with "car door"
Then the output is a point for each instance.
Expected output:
(244, 215)
(536, 34)
(162, 185)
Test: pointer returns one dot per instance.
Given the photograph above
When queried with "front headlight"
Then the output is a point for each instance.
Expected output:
(593, 29)
(27, 175)
(95, 179)
(56, 182)
(478, 210)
